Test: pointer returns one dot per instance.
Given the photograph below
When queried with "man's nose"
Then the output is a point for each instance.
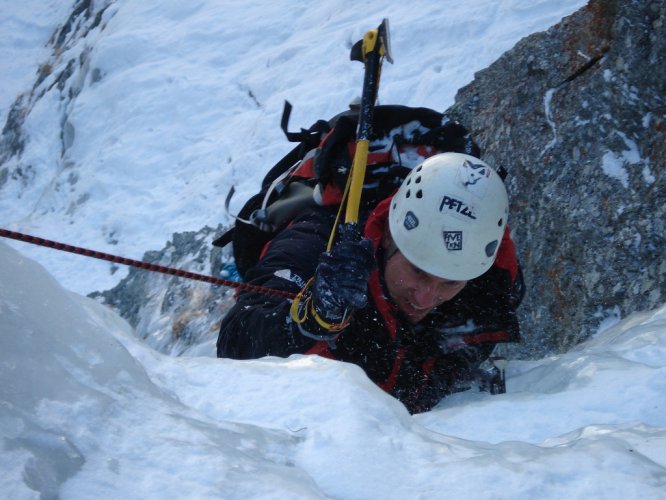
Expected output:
(428, 294)
(425, 296)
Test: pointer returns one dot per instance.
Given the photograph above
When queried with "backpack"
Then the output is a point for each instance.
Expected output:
(315, 171)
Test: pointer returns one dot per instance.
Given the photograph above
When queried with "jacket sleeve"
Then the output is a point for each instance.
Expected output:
(260, 324)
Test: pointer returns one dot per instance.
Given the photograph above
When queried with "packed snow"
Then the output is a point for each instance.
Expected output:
(174, 105)
(87, 410)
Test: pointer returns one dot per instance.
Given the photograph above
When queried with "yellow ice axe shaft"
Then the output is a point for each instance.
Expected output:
(357, 178)
(370, 50)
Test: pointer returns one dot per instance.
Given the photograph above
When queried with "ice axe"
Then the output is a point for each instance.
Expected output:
(370, 50)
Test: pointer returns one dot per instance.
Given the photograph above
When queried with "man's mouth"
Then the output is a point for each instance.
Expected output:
(414, 311)
(416, 308)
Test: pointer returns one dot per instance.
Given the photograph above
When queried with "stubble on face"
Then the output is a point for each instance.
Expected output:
(415, 292)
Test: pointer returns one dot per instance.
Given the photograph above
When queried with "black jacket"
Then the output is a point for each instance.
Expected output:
(418, 364)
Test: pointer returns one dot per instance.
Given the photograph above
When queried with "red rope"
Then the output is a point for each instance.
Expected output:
(143, 265)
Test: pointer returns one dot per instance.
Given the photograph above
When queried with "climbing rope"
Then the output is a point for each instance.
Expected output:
(142, 265)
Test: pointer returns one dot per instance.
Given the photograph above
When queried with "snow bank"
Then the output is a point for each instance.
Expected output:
(86, 409)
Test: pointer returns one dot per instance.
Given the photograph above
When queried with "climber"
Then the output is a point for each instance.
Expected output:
(418, 293)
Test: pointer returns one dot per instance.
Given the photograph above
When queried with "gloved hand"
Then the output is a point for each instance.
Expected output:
(341, 277)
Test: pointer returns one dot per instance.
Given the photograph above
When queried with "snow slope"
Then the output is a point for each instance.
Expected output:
(175, 103)
(168, 105)
(87, 410)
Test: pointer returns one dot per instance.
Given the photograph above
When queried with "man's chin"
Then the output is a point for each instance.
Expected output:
(414, 315)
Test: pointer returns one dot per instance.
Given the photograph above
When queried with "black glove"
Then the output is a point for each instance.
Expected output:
(341, 278)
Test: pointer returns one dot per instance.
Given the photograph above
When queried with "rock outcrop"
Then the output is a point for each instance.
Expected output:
(577, 116)
(173, 314)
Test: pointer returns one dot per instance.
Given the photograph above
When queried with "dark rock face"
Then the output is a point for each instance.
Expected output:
(170, 313)
(577, 116)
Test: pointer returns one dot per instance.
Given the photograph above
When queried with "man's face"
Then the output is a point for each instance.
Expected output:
(414, 291)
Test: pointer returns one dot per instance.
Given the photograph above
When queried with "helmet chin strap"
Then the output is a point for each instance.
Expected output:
(388, 244)
(391, 250)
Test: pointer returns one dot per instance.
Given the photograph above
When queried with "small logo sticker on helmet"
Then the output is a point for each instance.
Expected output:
(474, 172)
(453, 240)
(411, 221)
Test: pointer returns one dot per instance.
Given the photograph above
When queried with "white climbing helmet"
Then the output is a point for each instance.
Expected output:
(449, 215)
